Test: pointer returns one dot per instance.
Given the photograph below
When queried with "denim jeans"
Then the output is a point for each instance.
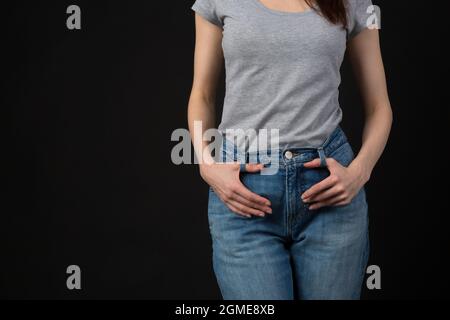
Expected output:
(294, 253)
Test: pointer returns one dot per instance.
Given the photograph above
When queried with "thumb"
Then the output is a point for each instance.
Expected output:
(312, 164)
(254, 167)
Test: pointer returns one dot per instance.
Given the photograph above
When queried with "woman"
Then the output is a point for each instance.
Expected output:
(301, 232)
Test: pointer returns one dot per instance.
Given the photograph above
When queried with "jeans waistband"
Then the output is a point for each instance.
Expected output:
(231, 153)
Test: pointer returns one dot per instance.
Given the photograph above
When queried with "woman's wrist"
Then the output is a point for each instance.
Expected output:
(362, 169)
(203, 167)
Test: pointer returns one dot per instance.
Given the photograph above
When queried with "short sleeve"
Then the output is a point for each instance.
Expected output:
(359, 15)
(208, 9)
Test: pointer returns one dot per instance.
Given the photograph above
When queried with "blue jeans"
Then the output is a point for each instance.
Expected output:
(294, 253)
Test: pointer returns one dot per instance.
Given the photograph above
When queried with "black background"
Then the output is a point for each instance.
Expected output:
(89, 178)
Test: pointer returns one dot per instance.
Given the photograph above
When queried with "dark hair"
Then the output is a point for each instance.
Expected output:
(334, 11)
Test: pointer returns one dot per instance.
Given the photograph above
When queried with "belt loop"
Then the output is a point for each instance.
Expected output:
(243, 159)
(323, 159)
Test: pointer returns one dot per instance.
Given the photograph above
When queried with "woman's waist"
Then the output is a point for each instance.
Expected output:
(236, 146)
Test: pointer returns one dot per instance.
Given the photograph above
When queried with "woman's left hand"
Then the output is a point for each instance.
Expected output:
(339, 188)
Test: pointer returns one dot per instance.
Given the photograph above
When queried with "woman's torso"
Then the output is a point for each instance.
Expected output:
(282, 71)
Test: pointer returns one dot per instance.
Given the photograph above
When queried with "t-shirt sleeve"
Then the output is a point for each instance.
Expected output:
(358, 16)
(208, 9)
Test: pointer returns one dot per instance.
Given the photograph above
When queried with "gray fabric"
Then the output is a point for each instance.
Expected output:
(282, 69)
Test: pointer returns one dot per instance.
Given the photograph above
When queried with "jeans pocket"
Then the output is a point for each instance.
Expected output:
(343, 154)
(311, 177)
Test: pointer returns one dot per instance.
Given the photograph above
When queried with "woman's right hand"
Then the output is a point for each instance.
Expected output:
(224, 180)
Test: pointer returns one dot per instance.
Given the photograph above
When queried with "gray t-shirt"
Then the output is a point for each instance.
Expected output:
(282, 68)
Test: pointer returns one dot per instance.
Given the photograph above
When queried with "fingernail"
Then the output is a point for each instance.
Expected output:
(269, 210)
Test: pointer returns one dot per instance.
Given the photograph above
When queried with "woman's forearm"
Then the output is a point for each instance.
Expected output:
(201, 117)
(375, 136)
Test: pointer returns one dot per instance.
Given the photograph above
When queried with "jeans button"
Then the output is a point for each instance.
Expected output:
(288, 155)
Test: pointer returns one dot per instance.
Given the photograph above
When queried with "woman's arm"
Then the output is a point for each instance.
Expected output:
(223, 178)
(208, 60)
(365, 56)
(344, 183)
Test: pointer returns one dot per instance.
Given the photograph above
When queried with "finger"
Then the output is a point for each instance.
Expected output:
(254, 167)
(248, 203)
(319, 187)
(246, 210)
(327, 203)
(332, 164)
(342, 203)
(313, 164)
(242, 191)
(326, 194)
(244, 196)
(317, 163)
(237, 211)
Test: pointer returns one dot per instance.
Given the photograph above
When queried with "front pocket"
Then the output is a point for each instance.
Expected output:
(309, 177)
(343, 154)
